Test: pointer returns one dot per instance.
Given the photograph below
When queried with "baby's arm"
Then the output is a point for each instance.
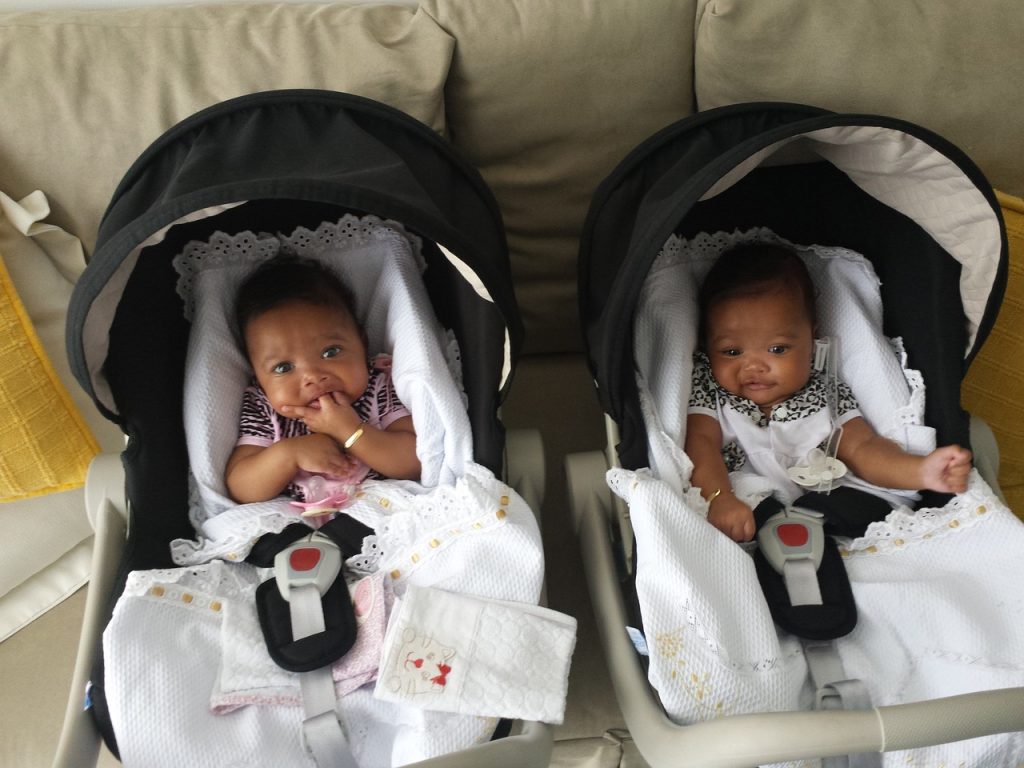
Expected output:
(882, 462)
(256, 473)
(704, 447)
(391, 451)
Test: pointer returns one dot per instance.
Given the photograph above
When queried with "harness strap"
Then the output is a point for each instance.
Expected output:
(835, 691)
(322, 733)
(801, 578)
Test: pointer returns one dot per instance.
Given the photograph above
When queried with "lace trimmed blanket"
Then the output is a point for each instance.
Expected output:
(182, 644)
(169, 670)
(940, 592)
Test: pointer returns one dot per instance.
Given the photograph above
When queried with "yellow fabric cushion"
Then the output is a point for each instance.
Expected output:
(994, 386)
(46, 445)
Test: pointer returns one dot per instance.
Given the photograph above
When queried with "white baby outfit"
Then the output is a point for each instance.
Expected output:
(769, 445)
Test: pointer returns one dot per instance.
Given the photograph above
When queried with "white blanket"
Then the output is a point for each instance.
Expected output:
(183, 646)
(940, 592)
(166, 660)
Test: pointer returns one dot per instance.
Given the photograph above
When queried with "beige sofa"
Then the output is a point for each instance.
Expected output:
(544, 97)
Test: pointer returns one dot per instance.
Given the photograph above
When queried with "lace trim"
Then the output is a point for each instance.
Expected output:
(247, 248)
(904, 528)
(425, 524)
(367, 561)
(246, 527)
(678, 250)
(202, 587)
(351, 231)
(913, 412)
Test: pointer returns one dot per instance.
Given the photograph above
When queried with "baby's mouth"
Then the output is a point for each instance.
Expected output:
(315, 402)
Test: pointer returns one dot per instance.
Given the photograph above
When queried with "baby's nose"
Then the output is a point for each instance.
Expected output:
(313, 374)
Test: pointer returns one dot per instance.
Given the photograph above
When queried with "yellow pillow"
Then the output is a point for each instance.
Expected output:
(46, 446)
(994, 387)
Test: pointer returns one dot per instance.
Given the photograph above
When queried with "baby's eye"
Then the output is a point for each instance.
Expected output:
(331, 352)
(282, 368)
(778, 349)
(731, 352)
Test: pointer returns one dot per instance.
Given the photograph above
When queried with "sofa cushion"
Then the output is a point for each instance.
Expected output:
(993, 388)
(85, 92)
(953, 67)
(545, 97)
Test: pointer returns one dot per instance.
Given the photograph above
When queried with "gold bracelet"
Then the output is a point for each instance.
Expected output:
(713, 496)
(352, 439)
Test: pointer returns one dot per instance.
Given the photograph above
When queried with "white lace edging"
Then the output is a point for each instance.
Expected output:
(350, 231)
(205, 586)
(911, 414)
(247, 248)
(904, 528)
(678, 250)
(708, 246)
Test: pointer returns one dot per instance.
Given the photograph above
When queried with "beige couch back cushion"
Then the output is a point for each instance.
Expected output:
(955, 67)
(85, 92)
(545, 97)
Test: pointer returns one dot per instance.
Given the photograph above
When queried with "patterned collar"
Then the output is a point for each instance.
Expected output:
(811, 399)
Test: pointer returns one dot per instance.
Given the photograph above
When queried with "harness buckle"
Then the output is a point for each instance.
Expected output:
(313, 561)
(793, 543)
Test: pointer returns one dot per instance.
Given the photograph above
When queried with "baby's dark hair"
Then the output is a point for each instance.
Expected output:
(752, 269)
(285, 278)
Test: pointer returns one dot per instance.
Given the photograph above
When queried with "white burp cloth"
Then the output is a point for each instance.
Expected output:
(456, 653)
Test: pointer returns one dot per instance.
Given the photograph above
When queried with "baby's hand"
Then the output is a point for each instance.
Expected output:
(320, 454)
(946, 469)
(732, 517)
(335, 416)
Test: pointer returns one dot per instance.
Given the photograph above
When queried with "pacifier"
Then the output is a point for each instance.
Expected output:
(324, 498)
(819, 472)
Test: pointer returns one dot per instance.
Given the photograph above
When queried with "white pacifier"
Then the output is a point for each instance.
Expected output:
(819, 472)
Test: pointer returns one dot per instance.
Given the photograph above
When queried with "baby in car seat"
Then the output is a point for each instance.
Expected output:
(321, 415)
(757, 399)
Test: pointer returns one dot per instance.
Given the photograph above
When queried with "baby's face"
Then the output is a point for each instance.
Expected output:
(301, 351)
(760, 346)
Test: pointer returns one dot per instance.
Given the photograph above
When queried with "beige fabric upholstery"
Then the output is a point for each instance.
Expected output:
(92, 89)
(46, 538)
(545, 97)
(953, 67)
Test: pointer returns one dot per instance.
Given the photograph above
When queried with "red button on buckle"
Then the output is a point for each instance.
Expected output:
(304, 559)
(792, 534)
